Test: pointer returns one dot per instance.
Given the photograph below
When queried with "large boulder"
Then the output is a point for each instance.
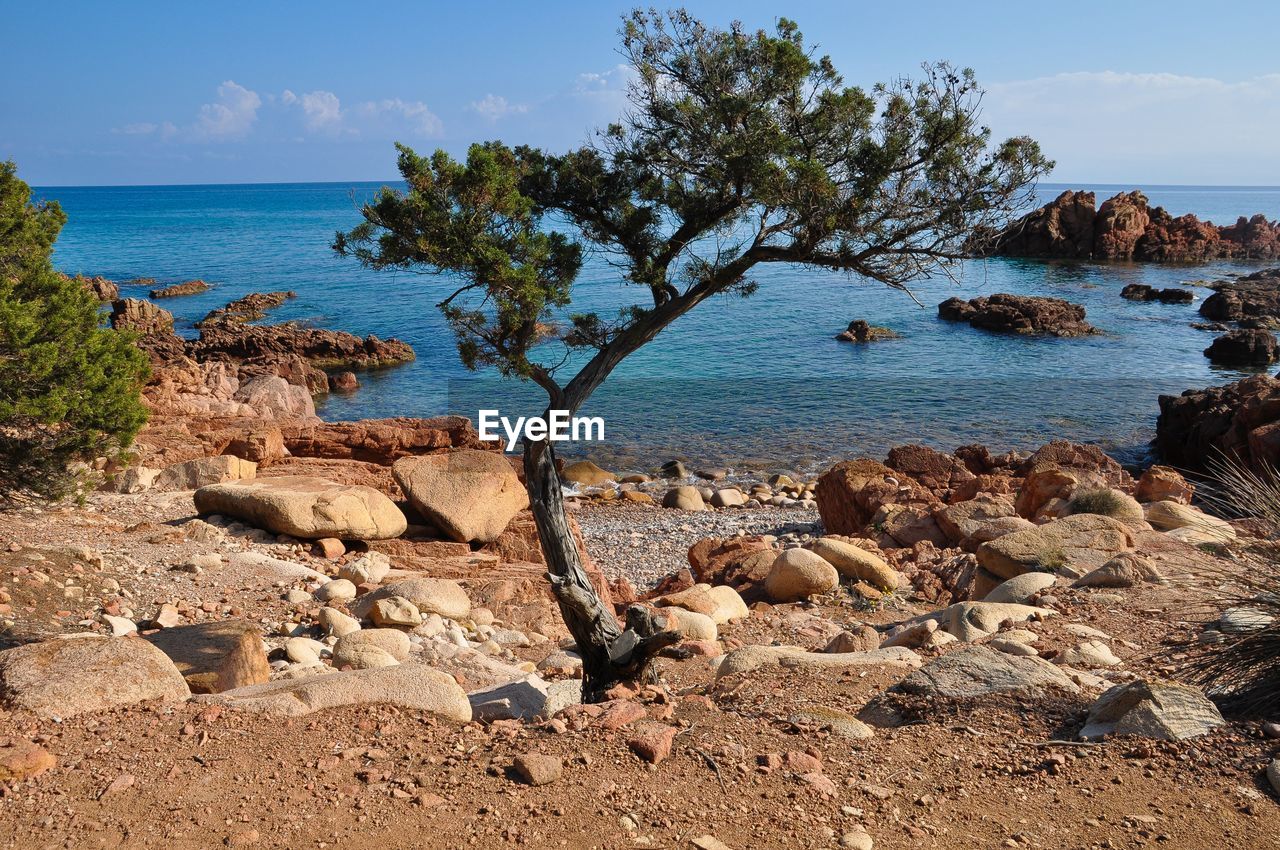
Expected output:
(429, 595)
(141, 316)
(1074, 544)
(201, 472)
(964, 520)
(215, 656)
(415, 687)
(1151, 708)
(470, 495)
(64, 677)
(1061, 228)
(856, 563)
(1164, 483)
(978, 671)
(852, 492)
(586, 473)
(1239, 421)
(1244, 347)
(1172, 516)
(799, 574)
(1019, 314)
(305, 507)
(1254, 296)
(272, 397)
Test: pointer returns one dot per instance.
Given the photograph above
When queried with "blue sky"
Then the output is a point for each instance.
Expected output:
(1138, 93)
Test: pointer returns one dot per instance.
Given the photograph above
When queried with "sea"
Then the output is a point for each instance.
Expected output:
(747, 383)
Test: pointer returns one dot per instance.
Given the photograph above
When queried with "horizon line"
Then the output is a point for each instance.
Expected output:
(246, 183)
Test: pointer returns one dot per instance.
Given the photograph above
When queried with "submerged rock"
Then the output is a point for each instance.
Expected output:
(860, 331)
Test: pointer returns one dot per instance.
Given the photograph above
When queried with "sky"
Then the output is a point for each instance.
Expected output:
(127, 93)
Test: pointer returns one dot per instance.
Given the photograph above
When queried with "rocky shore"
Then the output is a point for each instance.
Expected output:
(1127, 227)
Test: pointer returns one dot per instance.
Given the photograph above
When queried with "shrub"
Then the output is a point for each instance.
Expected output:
(69, 388)
(1103, 501)
(1241, 670)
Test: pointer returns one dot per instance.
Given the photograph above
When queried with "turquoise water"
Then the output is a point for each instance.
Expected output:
(756, 381)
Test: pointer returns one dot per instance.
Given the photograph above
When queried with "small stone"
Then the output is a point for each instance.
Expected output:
(21, 760)
(297, 596)
(337, 623)
(167, 617)
(652, 741)
(331, 548)
(708, 842)
(856, 839)
(395, 611)
(301, 650)
(120, 626)
(538, 769)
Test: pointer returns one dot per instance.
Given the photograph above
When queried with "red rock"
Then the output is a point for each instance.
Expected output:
(799, 762)
(330, 547)
(820, 783)
(652, 741)
(538, 769)
(618, 713)
(21, 760)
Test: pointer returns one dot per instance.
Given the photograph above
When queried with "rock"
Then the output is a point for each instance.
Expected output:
(1081, 541)
(470, 495)
(215, 656)
(856, 839)
(175, 290)
(1244, 347)
(729, 605)
(586, 473)
(708, 842)
(1128, 569)
(1151, 708)
(65, 677)
(22, 760)
(1021, 589)
(371, 568)
(525, 699)
(1252, 297)
(856, 563)
(1144, 292)
(832, 719)
(652, 741)
(274, 398)
(361, 656)
(1020, 314)
(1242, 620)
(120, 626)
(1062, 228)
(1273, 774)
(194, 474)
(301, 650)
(345, 382)
(1169, 516)
(860, 639)
(538, 769)
(304, 507)
(429, 595)
(336, 622)
(1240, 420)
(395, 611)
(330, 548)
(1164, 484)
(799, 574)
(729, 497)
(141, 316)
(691, 625)
(380, 441)
(860, 331)
(249, 308)
(102, 289)
(673, 469)
(963, 520)
(971, 621)
(135, 479)
(392, 641)
(977, 671)
(750, 658)
(1089, 654)
(684, 498)
(638, 497)
(697, 598)
(852, 492)
(415, 687)
(166, 618)
(338, 590)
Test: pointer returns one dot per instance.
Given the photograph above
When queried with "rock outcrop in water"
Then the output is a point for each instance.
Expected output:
(1169, 295)
(1244, 347)
(250, 308)
(1240, 420)
(1254, 296)
(1020, 314)
(189, 287)
(861, 331)
(1127, 227)
(102, 289)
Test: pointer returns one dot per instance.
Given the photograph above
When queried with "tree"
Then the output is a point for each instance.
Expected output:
(69, 388)
(739, 149)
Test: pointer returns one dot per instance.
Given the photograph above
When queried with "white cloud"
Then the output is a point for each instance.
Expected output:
(492, 107)
(230, 116)
(322, 109)
(389, 113)
(1109, 126)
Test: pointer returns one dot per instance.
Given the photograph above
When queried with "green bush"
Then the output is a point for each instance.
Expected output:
(1101, 501)
(70, 389)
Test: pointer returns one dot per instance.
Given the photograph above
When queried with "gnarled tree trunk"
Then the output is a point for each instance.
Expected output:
(611, 653)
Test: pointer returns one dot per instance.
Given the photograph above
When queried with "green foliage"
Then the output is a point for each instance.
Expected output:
(69, 388)
(1103, 501)
(739, 149)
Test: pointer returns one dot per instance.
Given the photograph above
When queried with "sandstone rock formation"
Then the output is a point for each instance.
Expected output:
(469, 495)
(1020, 314)
(1126, 227)
(306, 508)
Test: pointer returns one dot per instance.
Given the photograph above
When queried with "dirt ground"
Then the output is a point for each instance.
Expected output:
(745, 767)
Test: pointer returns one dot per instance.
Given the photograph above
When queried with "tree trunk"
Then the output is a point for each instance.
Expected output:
(610, 652)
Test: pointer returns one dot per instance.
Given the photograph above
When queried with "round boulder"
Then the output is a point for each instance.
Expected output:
(798, 574)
